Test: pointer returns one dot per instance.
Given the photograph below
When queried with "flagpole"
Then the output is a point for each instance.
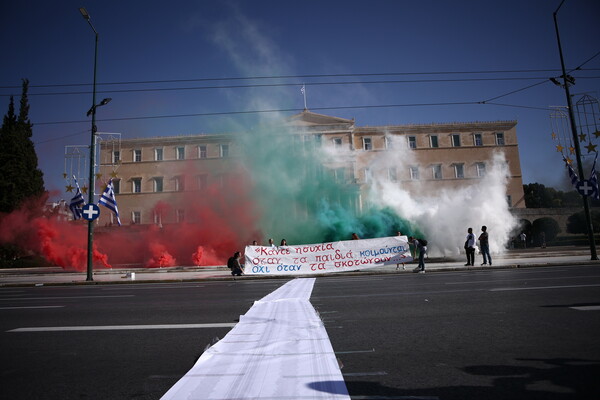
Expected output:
(586, 206)
(304, 94)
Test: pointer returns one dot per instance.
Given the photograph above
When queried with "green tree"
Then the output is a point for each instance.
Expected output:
(20, 177)
(576, 223)
(540, 196)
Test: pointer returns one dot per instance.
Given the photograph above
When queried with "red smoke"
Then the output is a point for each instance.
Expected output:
(218, 222)
(160, 257)
(62, 243)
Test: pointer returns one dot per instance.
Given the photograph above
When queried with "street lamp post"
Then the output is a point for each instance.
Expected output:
(567, 80)
(92, 177)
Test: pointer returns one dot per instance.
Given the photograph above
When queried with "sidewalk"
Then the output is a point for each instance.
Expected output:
(57, 276)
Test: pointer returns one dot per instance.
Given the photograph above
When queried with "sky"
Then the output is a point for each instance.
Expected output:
(192, 67)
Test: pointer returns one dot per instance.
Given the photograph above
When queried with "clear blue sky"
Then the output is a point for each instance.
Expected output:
(51, 44)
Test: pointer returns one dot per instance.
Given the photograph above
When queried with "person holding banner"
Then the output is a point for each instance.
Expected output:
(421, 248)
(398, 265)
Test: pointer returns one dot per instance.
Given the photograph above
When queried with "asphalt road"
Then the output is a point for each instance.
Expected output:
(500, 334)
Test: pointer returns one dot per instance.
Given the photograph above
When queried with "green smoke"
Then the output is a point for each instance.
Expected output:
(299, 197)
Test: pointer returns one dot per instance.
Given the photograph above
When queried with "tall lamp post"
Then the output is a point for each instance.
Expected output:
(92, 180)
(567, 80)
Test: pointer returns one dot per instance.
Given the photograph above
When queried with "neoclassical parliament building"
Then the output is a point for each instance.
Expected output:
(442, 155)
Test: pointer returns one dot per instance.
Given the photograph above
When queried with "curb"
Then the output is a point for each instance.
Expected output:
(279, 277)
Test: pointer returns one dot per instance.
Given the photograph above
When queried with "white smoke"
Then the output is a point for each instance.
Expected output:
(445, 215)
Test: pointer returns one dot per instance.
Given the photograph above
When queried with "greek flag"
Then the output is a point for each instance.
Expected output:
(594, 180)
(572, 175)
(76, 203)
(108, 200)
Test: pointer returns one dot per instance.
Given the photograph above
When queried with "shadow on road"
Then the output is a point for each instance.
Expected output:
(554, 379)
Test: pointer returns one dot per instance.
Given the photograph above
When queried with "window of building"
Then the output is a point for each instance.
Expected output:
(158, 154)
(459, 171)
(224, 150)
(136, 185)
(116, 157)
(392, 175)
(339, 175)
(412, 142)
(478, 139)
(480, 169)
(437, 171)
(158, 218)
(414, 173)
(178, 181)
(202, 182)
(367, 143)
(116, 186)
(180, 153)
(433, 141)
(500, 138)
(337, 143)
(318, 140)
(137, 155)
(368, 175)
(202, 151)
(136, 217)
(180, 215)
(158, 184)
(456, 139)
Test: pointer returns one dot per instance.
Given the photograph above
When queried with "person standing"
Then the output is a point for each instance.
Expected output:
(485, 246)
(421, 248)
(398, 265)
(470, 248)
(271, 243)
(234, 264)
(523, 238)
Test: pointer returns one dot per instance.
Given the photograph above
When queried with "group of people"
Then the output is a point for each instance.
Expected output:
(233, 263)
(470, 244)
(484, 246)
(420, 246)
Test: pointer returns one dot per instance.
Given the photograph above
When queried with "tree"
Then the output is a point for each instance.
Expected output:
(20, 177)
(576, 223)
(539, 196)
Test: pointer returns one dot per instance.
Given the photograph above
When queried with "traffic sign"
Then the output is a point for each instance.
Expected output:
(585, 188)
(90, 212)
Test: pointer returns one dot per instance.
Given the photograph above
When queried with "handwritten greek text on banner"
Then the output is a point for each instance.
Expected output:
(348, 255)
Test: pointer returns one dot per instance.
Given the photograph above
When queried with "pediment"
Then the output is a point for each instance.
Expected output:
(307, 119)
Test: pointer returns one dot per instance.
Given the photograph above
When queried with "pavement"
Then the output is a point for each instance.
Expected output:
(514, 258)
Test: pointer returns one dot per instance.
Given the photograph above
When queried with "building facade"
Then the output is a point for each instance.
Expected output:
(173, 170)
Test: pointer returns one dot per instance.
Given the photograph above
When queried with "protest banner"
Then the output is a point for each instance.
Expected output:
(322, 258)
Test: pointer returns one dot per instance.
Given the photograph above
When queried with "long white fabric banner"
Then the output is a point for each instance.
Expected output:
(348, 255)
(278, 350)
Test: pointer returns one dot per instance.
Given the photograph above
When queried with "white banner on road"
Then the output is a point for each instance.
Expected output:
(348, 255)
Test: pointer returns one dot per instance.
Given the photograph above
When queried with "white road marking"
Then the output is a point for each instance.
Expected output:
(138, 287)
(540, 288)
(20, 308)
(122, 327)
(522, 279)
(586, 308)
(68, 297)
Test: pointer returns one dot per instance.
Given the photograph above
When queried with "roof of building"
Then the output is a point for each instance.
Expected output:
(309, 118)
